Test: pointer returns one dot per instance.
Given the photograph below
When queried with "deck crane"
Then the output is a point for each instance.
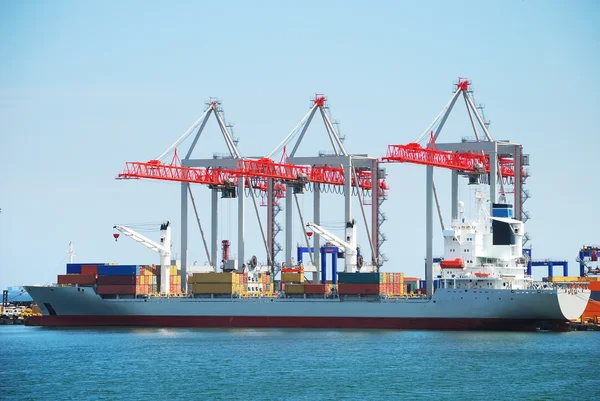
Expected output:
(349, 244)
(163, 249)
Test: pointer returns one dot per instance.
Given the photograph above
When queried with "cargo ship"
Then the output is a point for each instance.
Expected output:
(481, 284)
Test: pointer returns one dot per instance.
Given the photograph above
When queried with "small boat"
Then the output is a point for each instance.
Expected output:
(452, 264)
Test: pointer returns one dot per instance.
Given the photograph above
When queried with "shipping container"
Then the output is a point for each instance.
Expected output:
(80, 279)
(294, 288)
(292, 270)
(316, 288)
(213, 278)
(358, 289)
(358, 278)
(213, 288)
(119, 270)
(116, 289)
(594, 285)
(75, 268)
(563, 279)
(89, 269)
(117, 280)
(292, 277)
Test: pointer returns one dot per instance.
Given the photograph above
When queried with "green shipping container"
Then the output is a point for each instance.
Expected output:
(358, 278)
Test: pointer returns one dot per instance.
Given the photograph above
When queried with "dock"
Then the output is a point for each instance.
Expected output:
(7, 320)
(580, 326)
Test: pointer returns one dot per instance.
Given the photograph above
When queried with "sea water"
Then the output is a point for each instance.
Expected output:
(290, 364)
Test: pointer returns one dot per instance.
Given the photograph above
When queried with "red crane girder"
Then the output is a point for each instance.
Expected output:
(154, 169)
(256, 170)
(267, 168)
(467, 162)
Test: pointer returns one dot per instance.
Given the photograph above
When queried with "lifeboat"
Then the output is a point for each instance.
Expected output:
(479, 274)
(452, 264)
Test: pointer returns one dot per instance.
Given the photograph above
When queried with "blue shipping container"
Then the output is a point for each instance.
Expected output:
(119, 270)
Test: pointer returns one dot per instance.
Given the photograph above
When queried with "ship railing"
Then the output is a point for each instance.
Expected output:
(562, 286)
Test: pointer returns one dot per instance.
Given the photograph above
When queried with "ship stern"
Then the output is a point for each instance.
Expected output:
(573, 301)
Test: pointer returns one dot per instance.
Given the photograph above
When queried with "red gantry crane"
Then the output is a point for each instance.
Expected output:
(255, 173)
(502, 160)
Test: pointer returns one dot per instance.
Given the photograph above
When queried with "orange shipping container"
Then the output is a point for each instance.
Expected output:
(362, 289)
(81, 279)
(116, 289)
(89, 269)
(594, 285)
(592, 310)
(315, 288)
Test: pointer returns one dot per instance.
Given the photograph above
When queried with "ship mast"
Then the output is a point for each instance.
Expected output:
(71, 252)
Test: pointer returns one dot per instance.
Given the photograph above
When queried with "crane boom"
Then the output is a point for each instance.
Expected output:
(163, 249)
(349, 245)
(328, 236)
(148, 243)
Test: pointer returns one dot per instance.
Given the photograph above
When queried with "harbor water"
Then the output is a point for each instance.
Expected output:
(201, 364)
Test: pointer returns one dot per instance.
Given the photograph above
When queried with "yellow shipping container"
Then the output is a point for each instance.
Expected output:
(291, 278)
(293, 288)
(213, 288)
(191, 279)
(561, 279)
(213, 278)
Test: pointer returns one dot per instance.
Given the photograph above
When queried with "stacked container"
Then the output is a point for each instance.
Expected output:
(292, 280)
(266, 284)
(219, 283)
(81, 274)
(358, 284)
(174, 280)
(391, 284)
(119, 280)
(294, 289)
(314, 290)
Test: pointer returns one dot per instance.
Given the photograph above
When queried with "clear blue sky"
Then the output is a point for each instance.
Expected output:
(85, 86)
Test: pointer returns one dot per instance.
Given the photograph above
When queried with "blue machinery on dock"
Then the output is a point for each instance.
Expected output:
(325, 250)
(549, 263)
(587, 252)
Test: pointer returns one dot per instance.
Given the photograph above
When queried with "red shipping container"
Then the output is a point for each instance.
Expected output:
(116, 289)
(315, 288)
(81, 279)
(358, 289)
(117, 280)
(89, 269)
